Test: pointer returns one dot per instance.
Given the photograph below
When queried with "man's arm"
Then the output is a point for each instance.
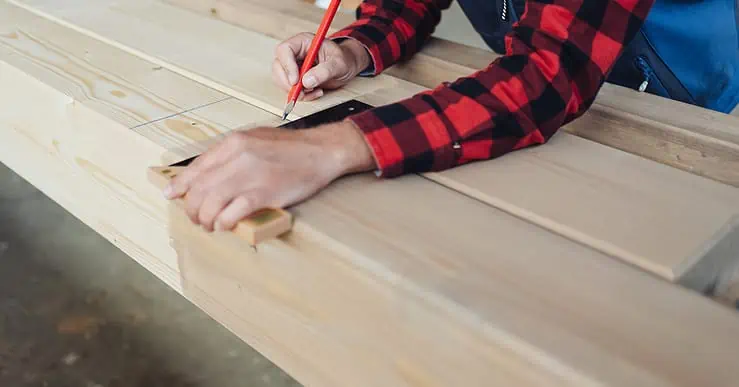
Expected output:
(393, 30)
(557, 58)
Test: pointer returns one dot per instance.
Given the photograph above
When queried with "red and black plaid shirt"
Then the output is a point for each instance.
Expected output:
(557, 58)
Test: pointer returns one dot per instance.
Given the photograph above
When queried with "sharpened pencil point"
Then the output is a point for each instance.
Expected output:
(288, 108)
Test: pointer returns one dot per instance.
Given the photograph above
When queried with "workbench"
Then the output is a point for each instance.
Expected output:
(595, 259)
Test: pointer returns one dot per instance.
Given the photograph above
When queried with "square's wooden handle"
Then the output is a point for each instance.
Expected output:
(262, 225)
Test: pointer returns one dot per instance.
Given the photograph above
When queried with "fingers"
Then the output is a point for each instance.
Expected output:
(289, 52)
(216, 155)
(220, 212)
(323, 72)
(202, 200)
(279, 76)
(312, 95)
(241, 207)
(211, 206)
(181, 183)
(210, 194)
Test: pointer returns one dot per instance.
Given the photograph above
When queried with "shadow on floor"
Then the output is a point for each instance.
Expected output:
(76, 311)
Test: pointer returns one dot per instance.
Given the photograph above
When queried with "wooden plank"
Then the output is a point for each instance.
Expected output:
(502, 341)
(109, 81)
(635, 215)
(699, 141)
(429, 68)
(367, 297)
(77, 109)
(639, 215)
(632, 215)
(237, 56)
(388, 290)
(75, 157)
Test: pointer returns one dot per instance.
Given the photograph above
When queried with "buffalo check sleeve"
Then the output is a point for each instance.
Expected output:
(557, 58)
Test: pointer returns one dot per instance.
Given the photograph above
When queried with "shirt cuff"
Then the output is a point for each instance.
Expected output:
(385, 152)
(417, 144)
(376, 66)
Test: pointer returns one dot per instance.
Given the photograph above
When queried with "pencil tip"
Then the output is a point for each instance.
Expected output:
(288, 109)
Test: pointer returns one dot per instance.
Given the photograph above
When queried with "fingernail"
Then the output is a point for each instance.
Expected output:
(310, 82)
(218, 226)
(168, 192)
(292, 78)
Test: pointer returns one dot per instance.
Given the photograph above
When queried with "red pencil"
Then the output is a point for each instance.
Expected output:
(310, 59)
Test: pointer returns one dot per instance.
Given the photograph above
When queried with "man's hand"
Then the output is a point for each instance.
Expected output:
(338, 63)
(267, 167)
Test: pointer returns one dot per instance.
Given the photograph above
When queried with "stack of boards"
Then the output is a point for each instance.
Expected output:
(577, 263)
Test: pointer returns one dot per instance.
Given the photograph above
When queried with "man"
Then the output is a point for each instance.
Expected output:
(557, 55)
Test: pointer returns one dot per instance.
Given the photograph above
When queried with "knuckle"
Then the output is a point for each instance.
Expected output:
(213, 204)
(206, 218)
(282, 46)
(218, 199)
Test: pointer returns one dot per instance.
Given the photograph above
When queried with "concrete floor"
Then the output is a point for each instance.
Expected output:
(76, 311)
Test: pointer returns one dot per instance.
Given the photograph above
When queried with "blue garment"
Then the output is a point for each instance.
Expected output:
(687, 50)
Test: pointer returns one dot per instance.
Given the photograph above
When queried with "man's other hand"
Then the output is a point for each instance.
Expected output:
(338, 63)
(266, 167)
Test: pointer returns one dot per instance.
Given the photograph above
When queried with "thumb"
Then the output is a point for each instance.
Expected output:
(323, 73)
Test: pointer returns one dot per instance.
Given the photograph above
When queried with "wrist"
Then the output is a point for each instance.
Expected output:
(360, 55)
(346, 148)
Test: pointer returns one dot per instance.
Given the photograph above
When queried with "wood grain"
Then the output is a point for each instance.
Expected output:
(632, 215)
(388, 289)
(76, 110)
(636, 214)
(228, 66)
(430, 305)
(75, 156)
(697, 140)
